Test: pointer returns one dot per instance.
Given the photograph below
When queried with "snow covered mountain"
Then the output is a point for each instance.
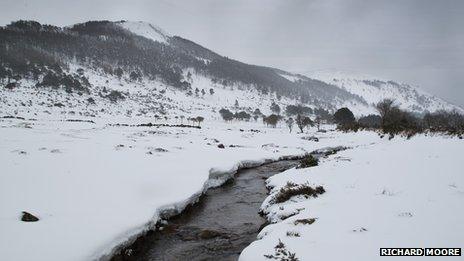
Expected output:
(373, 90)
(146, 30)
(135, 69)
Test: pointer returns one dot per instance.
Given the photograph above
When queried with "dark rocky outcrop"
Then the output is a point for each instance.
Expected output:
(28, 217)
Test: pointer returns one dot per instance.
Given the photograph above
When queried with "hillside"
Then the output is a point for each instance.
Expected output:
(373, 90)
(103, 68)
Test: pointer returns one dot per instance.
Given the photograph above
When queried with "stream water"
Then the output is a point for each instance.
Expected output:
(218, 227)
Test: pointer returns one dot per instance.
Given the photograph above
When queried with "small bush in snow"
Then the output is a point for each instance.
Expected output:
(115, 96)
(281, 253)
(293, 234)
(308, 161)
(291, 189)
(305, 221)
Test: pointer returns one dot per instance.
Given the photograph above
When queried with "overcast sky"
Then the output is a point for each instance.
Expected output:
(415, 41)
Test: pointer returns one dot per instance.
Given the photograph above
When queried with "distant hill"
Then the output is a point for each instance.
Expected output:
(105, 63)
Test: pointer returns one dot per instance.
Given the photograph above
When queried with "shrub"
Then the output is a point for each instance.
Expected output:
(115, 96)
(291, 110)
(242, 115)
(344, 117)
(11, 85)
(306, 221)
(272, 120)
(398, 120)
(293, 234)
(281, 253)
(308, 161)
(451, 122)
(66, 81)
(291, 189)
(370, 121)
(226, 114)
(349, 127)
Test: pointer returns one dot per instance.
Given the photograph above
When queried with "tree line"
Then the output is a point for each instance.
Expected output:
(393, 120)
(390, 119)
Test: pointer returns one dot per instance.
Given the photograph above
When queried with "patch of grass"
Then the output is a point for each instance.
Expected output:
(304, 221)
(308, 161)
(115, 96)
(293, 234)
(291, 189)
(281, 253)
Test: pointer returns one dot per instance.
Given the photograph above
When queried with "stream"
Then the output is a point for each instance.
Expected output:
(218, 227)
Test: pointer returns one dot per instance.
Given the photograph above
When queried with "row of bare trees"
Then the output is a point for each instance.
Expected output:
(393, 120)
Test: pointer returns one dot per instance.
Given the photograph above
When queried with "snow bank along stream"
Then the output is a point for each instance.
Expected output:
(223, 222)
(121, 180)
(217, 225)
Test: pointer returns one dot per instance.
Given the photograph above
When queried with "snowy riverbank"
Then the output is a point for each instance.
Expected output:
(398, 193)
(94, 187)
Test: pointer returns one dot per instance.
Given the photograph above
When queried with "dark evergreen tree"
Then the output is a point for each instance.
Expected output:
(344, 117)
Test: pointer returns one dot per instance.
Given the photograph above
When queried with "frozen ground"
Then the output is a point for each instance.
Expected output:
(398, 193)
(94, 186)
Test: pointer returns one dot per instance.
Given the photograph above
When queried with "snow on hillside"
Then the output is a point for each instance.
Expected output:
(369, 202)
(291, 77)
(146, 30)
(142, 99)
(374, 90)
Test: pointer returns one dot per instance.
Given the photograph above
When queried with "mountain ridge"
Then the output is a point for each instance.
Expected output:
(140, 53)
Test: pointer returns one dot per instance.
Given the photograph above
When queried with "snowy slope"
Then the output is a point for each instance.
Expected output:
(370, 203)
(146, 30)
(373, 90)
(146, 99)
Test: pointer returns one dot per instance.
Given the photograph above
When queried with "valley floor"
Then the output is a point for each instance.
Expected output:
(95, 186)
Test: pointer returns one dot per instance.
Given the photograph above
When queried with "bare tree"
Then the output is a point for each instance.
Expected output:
(302, 122)
(275, 108)
(384, 108)
(307, 122)
(318, 123)
(290, 122)
(193, 120)
(199, 119)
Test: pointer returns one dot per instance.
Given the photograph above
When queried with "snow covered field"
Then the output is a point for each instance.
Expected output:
(398, 193)
(94, 186)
